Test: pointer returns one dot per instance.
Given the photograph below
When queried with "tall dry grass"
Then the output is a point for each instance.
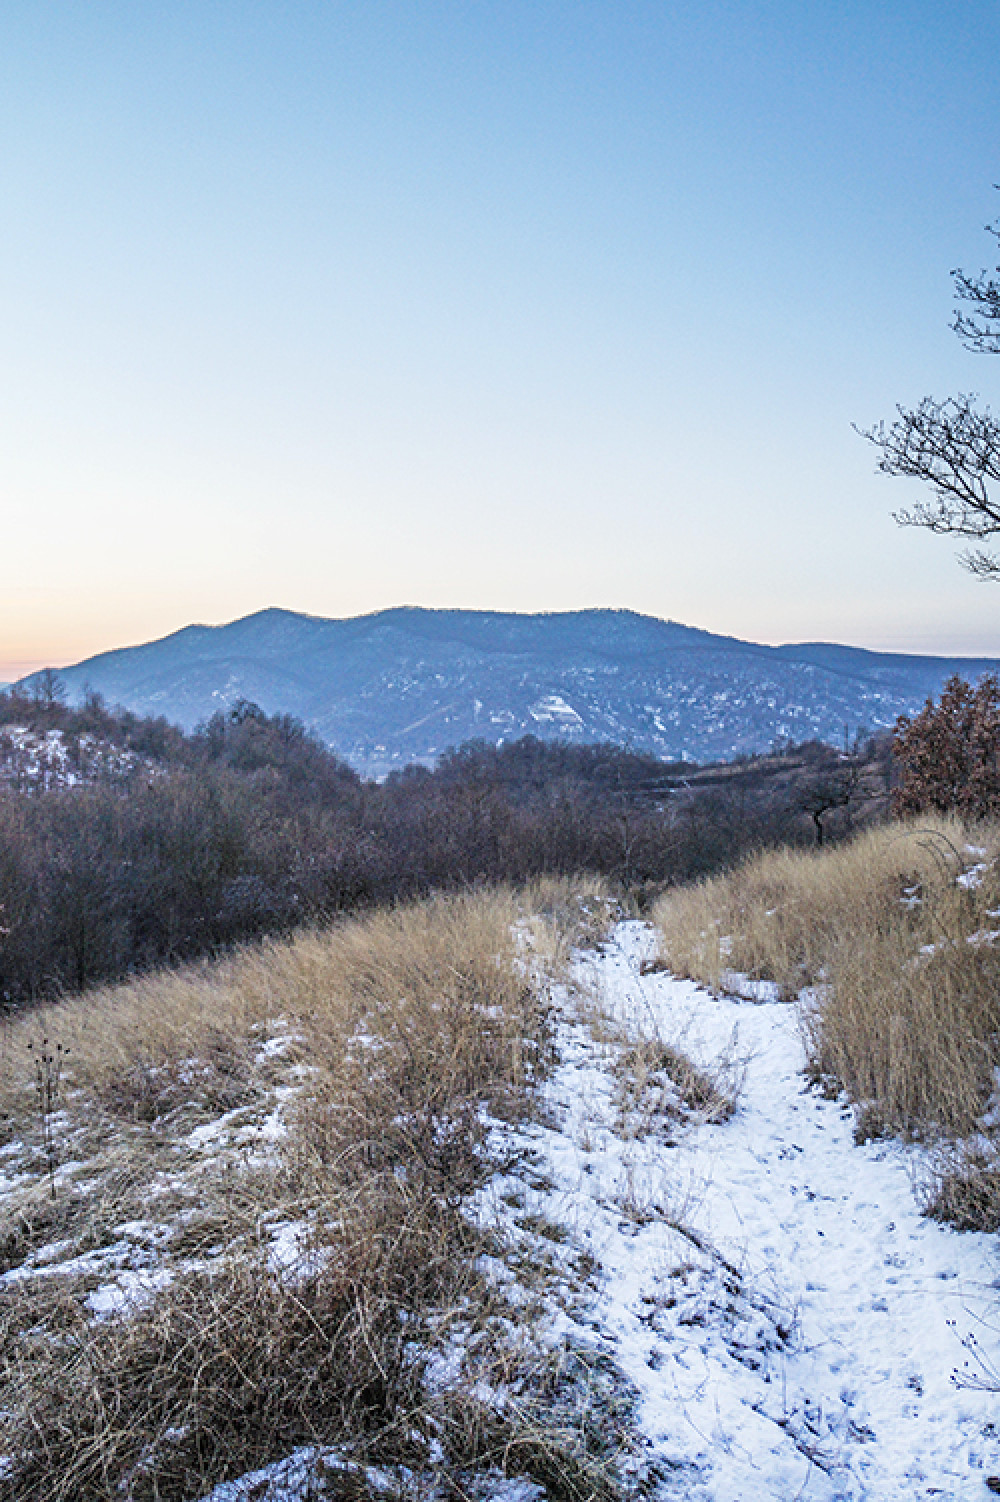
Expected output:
(384, 1045)
(892, 951)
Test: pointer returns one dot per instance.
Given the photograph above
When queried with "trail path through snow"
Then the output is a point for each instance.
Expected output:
(786, 1320)
(790, 1321)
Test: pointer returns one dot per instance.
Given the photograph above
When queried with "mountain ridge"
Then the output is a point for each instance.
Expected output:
(402, 684)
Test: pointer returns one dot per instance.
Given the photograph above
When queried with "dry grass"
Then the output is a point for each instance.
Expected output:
(911, 1037)
(965, 1186)
(231, 1367)
(895, 960)
(565, 913)
(784, 915)
(268, 1159)
(657, 1083)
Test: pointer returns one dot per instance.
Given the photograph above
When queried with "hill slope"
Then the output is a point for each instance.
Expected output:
(401, 685)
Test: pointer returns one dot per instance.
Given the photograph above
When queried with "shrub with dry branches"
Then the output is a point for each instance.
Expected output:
(949, 754)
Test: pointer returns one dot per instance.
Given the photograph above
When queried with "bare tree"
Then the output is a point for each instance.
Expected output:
(953, 446)
(48, 689)
(835, 782)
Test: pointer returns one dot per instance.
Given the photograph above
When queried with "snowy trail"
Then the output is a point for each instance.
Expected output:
(789, 1319)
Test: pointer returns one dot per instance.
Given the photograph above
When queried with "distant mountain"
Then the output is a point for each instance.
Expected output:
(402, 685)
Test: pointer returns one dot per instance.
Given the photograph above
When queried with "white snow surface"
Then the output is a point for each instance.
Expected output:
(296, 1480)
(297, 1477)
(791, 1322)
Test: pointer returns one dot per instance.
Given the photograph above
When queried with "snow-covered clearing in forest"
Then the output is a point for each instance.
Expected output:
(790, 1321)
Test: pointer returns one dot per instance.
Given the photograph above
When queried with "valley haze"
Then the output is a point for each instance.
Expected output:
(404, 684)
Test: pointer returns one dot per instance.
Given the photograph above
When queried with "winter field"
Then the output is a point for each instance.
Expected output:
(479, 1199)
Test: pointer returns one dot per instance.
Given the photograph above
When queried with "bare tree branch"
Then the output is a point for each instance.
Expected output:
(979, 330)
(953, 446)
(979, 562)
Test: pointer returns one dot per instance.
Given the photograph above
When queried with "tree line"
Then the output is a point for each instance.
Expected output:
(250, 825)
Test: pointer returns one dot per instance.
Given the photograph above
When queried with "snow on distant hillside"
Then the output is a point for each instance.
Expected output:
(45, 760)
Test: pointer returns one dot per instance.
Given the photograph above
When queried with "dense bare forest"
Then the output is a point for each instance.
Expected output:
(125, 843)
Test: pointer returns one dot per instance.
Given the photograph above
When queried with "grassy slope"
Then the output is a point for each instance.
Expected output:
(892, 948)
(234, 1206)
(235, 1195)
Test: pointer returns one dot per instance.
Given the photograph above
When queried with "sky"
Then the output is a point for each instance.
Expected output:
(522, 305)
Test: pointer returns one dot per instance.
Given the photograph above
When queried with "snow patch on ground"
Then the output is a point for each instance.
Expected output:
(314, 1471)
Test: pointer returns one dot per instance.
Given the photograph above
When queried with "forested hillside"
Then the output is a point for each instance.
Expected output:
(402, 685)
(125, 842)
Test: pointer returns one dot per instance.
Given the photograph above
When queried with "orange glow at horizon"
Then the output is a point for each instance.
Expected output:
(20, 667)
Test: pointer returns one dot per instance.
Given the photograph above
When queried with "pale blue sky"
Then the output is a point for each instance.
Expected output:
(510, 305)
